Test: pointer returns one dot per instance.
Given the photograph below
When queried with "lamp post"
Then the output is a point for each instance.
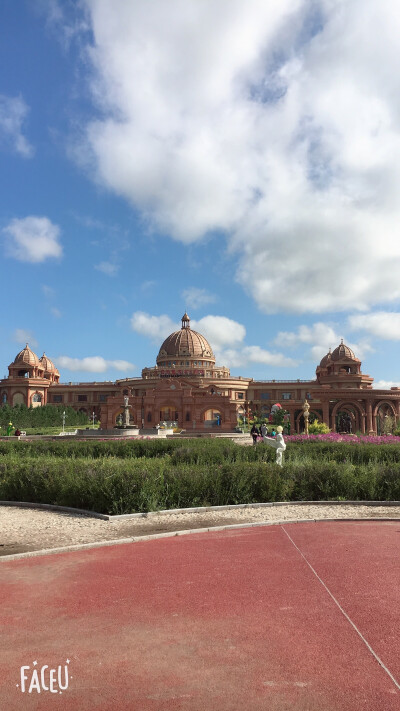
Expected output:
(63, 421)
(93, 416)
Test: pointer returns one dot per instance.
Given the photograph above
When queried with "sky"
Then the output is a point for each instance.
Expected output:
(236, 159)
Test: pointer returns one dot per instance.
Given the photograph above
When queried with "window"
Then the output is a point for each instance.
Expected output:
(82, 398)
(187, 418)
(149, 417)
(265, 396)
(240, 396)
(57, 398)
(286, 396)
(102, 398)
(36, 398)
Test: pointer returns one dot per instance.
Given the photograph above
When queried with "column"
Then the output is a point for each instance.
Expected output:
(370, 428)
(325, 412)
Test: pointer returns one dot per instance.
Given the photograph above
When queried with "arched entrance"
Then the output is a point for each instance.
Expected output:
(348, 417)
(345, 421)
(385, 418)
(18, 399)
(300, 424)
(36, 400)
(212, 418)
(169, 413)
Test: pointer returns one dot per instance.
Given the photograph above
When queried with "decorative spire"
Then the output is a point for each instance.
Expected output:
(185, 321)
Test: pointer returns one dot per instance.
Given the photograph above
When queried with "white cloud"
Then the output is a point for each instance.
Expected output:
(319, 336)
(224, 335)
(194, 298)
(155, 327)
(381, 324)
(385, 384)
(93, 364)
(66, 19)
(274, 123)
(48, 291)
(107, 268)
(13, 112)
(148, 285)
(219, 330)
(32, 239)
(255, 354)
(50, 295)
(22, 336)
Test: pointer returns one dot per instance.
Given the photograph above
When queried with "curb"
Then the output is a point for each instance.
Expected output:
(54, 507)
(173, 534)
(197, 509)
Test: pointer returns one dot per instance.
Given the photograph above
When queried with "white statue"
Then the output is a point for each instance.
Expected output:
(126, 401)
(278, 443)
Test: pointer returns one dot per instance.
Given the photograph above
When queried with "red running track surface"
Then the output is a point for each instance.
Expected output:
(297, 617)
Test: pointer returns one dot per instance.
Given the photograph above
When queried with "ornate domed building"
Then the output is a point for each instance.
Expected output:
(28, 379)
(185, 353)
(188, 345)
(186, 387)
(50, 371)
(341, 368)
(180, 388)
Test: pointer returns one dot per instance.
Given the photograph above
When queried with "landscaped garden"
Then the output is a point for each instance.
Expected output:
(136, 476)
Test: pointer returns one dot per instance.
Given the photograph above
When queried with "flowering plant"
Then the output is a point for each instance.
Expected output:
(352, 439)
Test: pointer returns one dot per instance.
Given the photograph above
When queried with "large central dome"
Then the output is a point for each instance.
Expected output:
(186, 345)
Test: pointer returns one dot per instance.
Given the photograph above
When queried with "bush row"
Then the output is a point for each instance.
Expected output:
(117, 486)
(46, 416)
(200, 451)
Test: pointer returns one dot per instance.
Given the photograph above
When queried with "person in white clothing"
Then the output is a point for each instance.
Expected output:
(278, 443)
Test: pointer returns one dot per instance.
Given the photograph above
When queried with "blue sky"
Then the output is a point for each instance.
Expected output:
(238, 160)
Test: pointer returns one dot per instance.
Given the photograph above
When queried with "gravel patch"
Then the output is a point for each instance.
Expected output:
(23, 530)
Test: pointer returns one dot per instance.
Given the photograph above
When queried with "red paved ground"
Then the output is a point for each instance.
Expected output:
(226, 620)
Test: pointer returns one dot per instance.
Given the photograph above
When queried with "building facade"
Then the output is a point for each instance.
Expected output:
(187, 387)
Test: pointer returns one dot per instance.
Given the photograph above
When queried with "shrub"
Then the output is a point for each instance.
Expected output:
(317, 427)
(116, 485)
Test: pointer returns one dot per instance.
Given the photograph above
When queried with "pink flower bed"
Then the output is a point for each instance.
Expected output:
(352, 439)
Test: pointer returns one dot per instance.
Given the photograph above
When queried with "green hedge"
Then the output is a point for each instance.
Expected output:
(198, 451)
(114, 486)
(46, 416)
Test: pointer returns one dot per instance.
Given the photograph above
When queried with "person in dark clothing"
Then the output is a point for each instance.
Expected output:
(254, 433)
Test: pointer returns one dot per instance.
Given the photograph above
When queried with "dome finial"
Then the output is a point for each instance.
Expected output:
(185, 321)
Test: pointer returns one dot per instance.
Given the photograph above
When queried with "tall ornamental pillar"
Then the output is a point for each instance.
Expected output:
(325, 413)
(370, 427)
